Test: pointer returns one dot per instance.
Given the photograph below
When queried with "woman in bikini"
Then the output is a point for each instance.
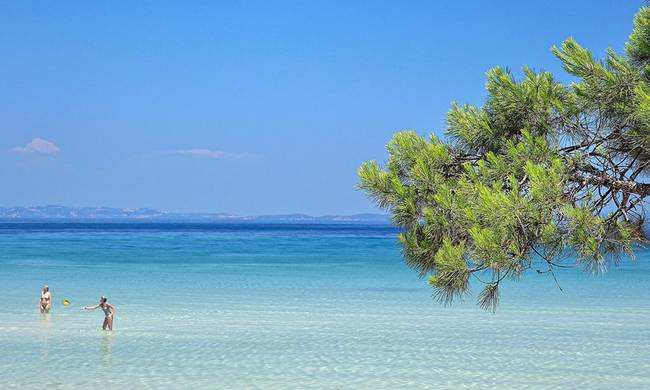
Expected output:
(45, 302)
(109, 312)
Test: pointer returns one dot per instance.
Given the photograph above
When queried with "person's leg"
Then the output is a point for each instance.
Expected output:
(105, 324)
(110, 323)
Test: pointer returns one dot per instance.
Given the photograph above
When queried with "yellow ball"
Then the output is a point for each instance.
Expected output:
(66, 302)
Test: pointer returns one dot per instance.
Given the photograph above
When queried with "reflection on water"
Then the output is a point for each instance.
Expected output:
(44, 334)
(107, 348)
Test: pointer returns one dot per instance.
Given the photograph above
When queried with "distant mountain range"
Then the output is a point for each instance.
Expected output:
(63, 213)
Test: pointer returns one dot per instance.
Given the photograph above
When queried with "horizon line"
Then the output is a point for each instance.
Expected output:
(189, 213)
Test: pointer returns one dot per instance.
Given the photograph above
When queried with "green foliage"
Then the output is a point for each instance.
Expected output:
(452, 277)
(586, 233)
(540, 170)
(511, 106)
(638, 48)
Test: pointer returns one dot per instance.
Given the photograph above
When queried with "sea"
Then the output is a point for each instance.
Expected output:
(299, 306)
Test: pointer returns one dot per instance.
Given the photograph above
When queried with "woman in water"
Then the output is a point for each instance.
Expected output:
(109, 312)
(46, 300)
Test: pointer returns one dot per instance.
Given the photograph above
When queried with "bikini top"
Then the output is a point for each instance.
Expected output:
(107, 310)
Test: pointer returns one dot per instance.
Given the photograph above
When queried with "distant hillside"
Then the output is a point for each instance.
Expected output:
(63, 213)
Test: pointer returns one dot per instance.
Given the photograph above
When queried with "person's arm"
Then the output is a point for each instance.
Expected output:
(90, 307)
(112, 308)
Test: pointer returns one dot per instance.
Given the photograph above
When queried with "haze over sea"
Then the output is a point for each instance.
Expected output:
(298, 306)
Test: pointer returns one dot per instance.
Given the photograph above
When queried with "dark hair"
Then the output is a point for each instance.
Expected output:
(103, 299)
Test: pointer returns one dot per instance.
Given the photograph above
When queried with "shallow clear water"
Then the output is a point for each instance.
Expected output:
(272, 306)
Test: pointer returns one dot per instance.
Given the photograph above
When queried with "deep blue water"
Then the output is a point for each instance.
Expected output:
(298, 306)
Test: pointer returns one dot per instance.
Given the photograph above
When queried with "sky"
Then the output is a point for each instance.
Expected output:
(250, 107)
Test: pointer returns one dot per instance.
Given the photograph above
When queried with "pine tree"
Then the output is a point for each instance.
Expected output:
(541, 170)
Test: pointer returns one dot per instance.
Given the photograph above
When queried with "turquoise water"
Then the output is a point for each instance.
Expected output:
(268, 306)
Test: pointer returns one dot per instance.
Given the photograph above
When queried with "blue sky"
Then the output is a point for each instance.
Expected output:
(250, 107)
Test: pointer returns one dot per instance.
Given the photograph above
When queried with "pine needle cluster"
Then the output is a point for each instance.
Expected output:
(541, 170)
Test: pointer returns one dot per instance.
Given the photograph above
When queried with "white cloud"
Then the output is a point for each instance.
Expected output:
(37, 145)
(213, 154)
